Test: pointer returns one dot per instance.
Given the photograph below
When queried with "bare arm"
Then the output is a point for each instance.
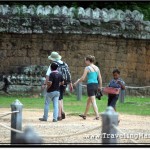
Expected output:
(45, 82)
(49, 84)
(47, 75)
(100, 79)
(82, 78)
(47, 79)
(71, 87)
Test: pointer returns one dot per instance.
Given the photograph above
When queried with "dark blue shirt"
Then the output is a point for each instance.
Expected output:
(113, 83)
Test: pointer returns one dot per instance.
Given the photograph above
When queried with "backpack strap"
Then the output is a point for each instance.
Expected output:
(88, 67)
(93, 69)
(56, 62)
(59, 64)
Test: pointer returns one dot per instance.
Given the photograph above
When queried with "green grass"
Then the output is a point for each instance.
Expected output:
(132, 105)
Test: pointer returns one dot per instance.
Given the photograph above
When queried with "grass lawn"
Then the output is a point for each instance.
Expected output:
(132, 105)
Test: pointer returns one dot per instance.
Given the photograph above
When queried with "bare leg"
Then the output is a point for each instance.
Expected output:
(93, 100)
(60, 108)
(88, 104)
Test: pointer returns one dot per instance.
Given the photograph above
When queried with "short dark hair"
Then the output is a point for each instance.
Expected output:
(116, 71)
(54, 66)
(90, 58)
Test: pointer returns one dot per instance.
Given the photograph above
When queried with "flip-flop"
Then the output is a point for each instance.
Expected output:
(84, 117)
(97, 118)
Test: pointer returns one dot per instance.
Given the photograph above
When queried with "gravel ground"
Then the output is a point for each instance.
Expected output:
(129, 124)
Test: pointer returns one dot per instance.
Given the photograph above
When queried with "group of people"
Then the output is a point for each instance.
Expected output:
(56, 83)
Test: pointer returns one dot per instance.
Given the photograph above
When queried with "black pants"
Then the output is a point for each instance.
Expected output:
(112, 100)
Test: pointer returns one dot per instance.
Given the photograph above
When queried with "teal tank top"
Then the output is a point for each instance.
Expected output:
(92, 77)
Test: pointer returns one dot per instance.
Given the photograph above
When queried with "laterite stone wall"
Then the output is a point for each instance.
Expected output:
(132, 57)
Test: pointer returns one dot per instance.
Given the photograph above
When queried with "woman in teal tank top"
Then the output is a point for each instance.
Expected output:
(94, 83)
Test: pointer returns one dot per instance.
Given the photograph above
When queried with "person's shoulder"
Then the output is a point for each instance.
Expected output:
(87, 68)
(62, 63)
(97, 68)
(122, 80)
(111, 80)
(52, 74)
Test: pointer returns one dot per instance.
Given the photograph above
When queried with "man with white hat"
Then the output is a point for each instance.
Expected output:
(55, 57)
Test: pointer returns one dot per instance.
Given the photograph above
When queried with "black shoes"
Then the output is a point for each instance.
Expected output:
(84, 117)
(54, 120)
(42, 119)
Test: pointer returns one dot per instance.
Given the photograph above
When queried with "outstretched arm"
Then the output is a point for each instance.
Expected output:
(82, 78)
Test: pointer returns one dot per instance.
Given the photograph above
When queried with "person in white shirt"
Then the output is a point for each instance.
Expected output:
(55, 57)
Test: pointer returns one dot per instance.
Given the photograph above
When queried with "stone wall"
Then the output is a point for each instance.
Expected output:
(40, 19)
(132, 57)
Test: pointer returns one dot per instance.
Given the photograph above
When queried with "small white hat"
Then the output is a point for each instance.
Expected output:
(54, 56)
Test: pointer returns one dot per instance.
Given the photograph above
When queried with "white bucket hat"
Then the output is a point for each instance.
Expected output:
(54, 56)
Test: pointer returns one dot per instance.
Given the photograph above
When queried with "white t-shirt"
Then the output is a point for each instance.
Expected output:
(49, 69)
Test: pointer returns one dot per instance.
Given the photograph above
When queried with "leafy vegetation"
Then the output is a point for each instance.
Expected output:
(143, 7)
(132, 105)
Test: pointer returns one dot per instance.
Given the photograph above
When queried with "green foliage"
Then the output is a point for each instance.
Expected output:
(132, 105)
(75, 5)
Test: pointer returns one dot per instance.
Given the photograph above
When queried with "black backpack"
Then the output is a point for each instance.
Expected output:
(63, 69)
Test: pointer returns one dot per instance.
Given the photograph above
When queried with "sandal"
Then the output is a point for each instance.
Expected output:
(63, 116)
(97, 118)
(84, 117)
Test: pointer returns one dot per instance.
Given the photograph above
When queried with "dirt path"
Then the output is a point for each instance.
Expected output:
(131, 124)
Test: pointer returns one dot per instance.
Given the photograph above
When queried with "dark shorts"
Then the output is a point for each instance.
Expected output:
(92, 89)
(62, 90)
(112, 100)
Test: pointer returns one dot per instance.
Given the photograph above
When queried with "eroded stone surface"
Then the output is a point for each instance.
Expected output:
(40, 19)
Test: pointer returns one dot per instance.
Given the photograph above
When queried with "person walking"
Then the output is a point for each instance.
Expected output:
(116, 82)
(94, 83)
(53, 87)
(64, 70)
